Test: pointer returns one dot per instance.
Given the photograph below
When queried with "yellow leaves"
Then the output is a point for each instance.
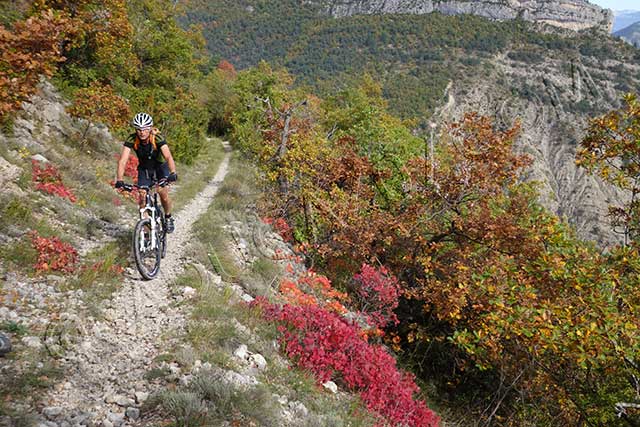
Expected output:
(455, 314)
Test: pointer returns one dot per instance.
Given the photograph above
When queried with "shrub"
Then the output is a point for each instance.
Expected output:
(49, 180)
(332, 347)
(377, 293)
(53, 254)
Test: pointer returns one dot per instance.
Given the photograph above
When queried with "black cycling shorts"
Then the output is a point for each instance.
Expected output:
(146, 177)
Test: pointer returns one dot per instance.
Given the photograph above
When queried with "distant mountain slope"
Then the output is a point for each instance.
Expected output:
(630, 34)
(433, 67)
(625, 18)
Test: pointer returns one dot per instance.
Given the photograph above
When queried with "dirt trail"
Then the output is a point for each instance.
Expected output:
(105, 368)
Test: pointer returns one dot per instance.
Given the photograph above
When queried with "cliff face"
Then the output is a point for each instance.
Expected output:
(570, 14)
(551, 130)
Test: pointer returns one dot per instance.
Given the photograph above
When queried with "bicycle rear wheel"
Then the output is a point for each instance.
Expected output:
(147, 258)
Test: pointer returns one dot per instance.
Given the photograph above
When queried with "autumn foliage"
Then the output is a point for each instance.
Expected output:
(227, 68)
(47, 178)
(492, 289)
(53, 254)
(99, 104)
(30, 49)
(611, 151)
(332, 348)
(316, 334)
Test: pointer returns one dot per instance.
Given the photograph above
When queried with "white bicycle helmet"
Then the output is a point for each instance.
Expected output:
(142, 120)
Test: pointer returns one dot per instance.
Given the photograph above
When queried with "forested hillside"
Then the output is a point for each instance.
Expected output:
(414, 55)
(552, 80)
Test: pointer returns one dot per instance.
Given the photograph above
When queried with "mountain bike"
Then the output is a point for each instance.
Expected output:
(150, 233)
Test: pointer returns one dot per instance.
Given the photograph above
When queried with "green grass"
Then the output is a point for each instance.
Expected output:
(19, 256)
(17, 329)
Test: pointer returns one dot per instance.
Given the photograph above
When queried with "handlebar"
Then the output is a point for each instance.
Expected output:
(130, 187)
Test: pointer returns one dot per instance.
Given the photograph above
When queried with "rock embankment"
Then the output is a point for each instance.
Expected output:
(571, 14)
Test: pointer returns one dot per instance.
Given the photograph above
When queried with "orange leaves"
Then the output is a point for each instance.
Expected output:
(53, 254)
(30, 49)
(105, 36)
(474, 161)
(311, 289)
(98, 103)
(227, 68)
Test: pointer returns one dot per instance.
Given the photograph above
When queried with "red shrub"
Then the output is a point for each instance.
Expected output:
(331, 347)
(281, 227)
(53, 254)
(377, 294)
(131, 168)
(49, 180)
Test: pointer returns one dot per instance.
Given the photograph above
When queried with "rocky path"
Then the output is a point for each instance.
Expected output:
(105, 369)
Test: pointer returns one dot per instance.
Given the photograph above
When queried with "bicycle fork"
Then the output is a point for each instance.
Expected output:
(148, 212)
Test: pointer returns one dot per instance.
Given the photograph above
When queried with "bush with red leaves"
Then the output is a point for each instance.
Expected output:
(331, 347)
(49, 180)
(53, 254)
(281, 227)
(377, 293)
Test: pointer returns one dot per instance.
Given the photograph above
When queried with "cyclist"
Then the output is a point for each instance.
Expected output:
(154, 161)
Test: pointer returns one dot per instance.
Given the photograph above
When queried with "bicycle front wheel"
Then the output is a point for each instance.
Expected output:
(147, 257)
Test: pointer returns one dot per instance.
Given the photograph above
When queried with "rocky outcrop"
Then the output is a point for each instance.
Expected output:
(570, 14)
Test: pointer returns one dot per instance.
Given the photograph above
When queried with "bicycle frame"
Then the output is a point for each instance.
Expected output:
(150, 210)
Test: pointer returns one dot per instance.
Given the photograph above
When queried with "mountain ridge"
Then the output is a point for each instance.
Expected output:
(630, 34)
(571, 14)
(625, 18)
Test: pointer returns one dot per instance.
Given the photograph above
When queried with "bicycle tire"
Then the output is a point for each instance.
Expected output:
(142, 234)
(5, 344)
